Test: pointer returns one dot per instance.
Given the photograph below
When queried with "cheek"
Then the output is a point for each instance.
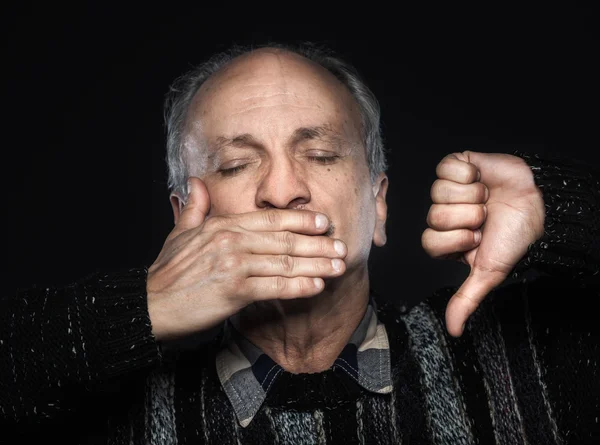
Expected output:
(229, 198)
(362, 227)
(365, 214)
(349, 198)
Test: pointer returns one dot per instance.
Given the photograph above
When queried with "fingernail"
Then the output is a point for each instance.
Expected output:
(321, 221)
(339, 247)
(478, 175)
(188, 188)
(336, 264)
(477, 236)
(317, 282)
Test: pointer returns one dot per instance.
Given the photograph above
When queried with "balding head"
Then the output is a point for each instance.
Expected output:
(290, 91)
(318, 65)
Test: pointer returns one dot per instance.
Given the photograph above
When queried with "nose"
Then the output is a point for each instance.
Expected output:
(283, 186)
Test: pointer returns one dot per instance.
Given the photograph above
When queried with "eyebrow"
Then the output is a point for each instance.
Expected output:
(321, 132)
(318, 132)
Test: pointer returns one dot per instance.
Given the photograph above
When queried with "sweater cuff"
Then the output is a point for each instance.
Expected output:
(124, 324)
(571, 192)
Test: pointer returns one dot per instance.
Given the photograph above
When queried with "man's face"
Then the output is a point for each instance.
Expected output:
(273, 130)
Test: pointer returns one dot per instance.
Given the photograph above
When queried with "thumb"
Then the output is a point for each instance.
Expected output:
(197, 206)
(468, 297)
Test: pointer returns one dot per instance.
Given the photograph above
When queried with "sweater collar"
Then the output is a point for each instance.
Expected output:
(247, 374)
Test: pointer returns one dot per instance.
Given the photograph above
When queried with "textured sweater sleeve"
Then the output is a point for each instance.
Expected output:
(57, 345)
(570, 246)
(554, 344)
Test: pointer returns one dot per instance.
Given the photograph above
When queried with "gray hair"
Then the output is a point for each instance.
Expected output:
(183, 90)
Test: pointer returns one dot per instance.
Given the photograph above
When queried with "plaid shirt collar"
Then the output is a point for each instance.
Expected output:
(247, 374)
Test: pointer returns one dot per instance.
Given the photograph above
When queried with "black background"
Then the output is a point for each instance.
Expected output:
(83, 143)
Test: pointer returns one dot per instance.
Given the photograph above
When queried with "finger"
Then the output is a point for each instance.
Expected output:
(273, 220)
(453, 169)
(271, 288)
(444, 217)
(469, 296)
(197, 206)
(444, 191)
(440, 244)
(290, 266)
(294, 244)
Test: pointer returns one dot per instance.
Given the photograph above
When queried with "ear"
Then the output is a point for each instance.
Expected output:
(177, 204)
(380, 187)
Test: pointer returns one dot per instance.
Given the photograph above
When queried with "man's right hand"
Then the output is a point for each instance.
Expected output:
(211, 268)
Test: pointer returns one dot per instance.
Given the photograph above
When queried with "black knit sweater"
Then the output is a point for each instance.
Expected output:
(80, 364)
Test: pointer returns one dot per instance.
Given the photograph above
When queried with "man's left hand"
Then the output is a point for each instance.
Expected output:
(486, 211)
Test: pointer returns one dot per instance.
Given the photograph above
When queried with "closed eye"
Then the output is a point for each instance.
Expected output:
(323, 159)
(233, 170)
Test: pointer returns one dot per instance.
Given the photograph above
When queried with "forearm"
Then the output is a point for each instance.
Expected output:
(59, 342)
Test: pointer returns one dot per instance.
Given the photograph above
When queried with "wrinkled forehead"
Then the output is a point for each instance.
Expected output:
(271, 80)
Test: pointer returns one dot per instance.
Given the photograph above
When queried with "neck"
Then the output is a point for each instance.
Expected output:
(307, 335)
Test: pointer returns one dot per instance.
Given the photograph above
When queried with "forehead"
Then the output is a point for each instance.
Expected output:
(286, 88)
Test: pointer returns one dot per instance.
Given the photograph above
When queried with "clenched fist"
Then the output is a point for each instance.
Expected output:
(211, 268)
(486, 211)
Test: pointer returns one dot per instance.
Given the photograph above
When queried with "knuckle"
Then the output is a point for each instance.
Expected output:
(319, 266)
(428, 219)
(272, 218)
(325, 245)
(287, 263)
(302, 286)
(287, 242)
(442, 165)
(439, 189)
(280, 284)
(433, 190)
(225, 239)
(229, 262)
(427, 238)
(435, 217)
